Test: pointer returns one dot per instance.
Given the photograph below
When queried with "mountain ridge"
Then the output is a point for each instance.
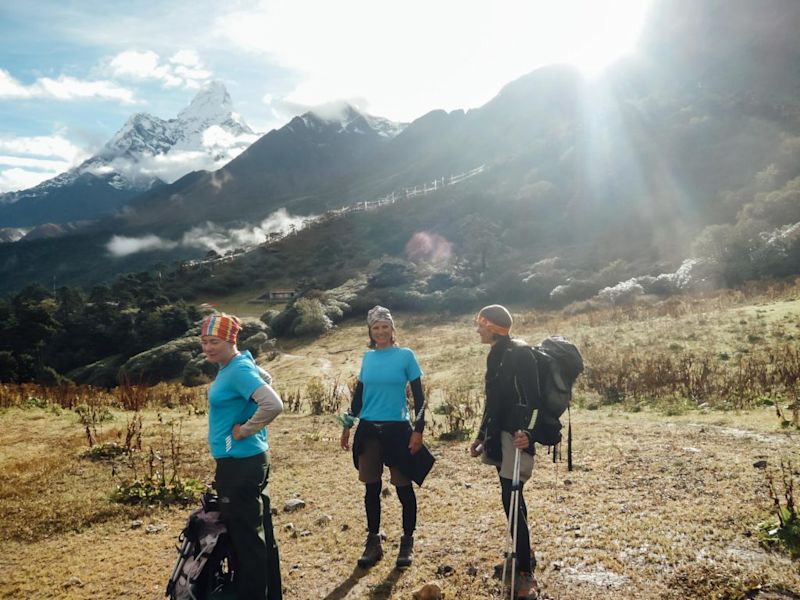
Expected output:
(627, 169)
(127, 164)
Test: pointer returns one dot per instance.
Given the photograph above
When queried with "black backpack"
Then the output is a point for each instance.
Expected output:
(205, 566)
(558, 364)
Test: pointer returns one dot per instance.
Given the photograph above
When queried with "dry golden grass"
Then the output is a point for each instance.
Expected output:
(658, 506)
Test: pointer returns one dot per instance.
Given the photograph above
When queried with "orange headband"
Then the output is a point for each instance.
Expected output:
(493, 327)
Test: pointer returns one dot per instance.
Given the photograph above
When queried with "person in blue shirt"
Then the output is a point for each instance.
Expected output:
(385, 435)
(241, 404)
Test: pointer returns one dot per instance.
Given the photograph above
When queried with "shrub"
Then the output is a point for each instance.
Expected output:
(281, 324)
(440, 281)
(783, 528)
(325, 399)
(573, 291)
(254, 344)
(311, 318)
(198, 371)
(392, 274)
(149, 482)
(161, 363)
(624, 293)
(158, 491)
(102, 452)
(8, 367)
(462, 299)
(267, 317)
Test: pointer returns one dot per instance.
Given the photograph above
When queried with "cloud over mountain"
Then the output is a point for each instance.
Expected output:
(145, 152)
(183, 68)
(63, 88)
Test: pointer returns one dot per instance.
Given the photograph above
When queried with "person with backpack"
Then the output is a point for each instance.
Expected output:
(241, 405)
(385, 435)
(512, 393)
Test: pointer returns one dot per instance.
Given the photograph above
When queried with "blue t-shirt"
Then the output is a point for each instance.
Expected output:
(385, 374)
(229, 404)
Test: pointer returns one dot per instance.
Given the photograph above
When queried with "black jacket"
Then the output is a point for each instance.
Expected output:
(512, 393)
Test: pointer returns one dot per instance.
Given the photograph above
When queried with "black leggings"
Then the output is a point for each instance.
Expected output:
(525, 556)
(372, 504)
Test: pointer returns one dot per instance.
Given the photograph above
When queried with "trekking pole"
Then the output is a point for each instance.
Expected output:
(183, 553)
(513, 522)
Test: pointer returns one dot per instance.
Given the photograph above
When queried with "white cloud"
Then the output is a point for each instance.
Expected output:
(120, 245)
(15, 179)
(36, 159)
(183, 69)
(41, 164)
(211, 236)
(43, 146)
(11, 88)
(134, 64)
(224, 144)
(221, 240)
(188, 58)
(63, 88)
(220, 147)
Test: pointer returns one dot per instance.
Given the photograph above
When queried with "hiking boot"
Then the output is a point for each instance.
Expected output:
(406, 549)
(525, 585)
(372, 551)
(498, 568)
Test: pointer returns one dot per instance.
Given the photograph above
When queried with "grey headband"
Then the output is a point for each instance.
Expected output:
(379, 313)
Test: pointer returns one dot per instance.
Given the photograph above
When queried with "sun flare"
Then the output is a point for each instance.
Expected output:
(588, 34)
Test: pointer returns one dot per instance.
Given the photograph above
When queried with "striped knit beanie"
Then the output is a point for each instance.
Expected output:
(220, 325)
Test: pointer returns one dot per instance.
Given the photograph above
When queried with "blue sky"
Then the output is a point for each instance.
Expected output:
(72, 72)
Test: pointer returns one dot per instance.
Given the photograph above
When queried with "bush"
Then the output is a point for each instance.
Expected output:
(458, 299)
(573, 291)
(49, 377)
(622, 294)
(254, 344)
(268, 316)
(311, 318)
(392, 274)
(8, 367)
(281, 324)
(783, 528)
(198, 371)
(440, 281)
(251, 326)
(162, 362)
(158, 491)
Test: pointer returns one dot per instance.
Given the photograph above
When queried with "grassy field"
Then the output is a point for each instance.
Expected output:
(664, 501)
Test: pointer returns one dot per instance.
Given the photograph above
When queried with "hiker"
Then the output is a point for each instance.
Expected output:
(504, 426)
(241, 404)
(384, 435)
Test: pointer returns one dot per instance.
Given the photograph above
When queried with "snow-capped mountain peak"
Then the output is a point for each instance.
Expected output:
(346, 118)
(145, 152)
(147, 134)
(212, 103)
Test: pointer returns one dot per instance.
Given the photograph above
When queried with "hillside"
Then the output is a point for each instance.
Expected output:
(669, 155)
(665, 500)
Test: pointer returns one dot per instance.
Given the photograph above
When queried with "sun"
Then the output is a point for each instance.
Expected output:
(589, 34)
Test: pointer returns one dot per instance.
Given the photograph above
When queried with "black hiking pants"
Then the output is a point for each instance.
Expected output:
(242, 488)
(525, 558)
